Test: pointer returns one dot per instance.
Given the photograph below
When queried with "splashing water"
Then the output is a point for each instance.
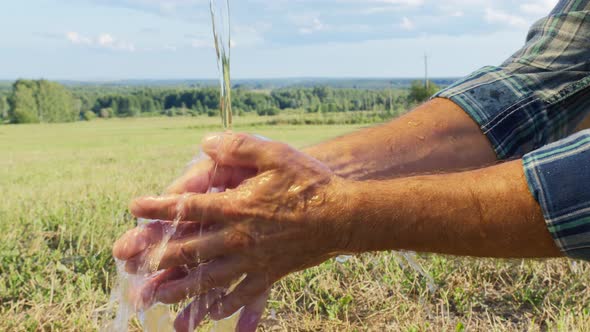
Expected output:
(221, 23)
(125, 302)
(124, 305)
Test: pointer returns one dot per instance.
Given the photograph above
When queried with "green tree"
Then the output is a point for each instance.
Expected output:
(271, 111)
(332, 108)
(3, 108)
(89, 116)
(106, 113)
(148, 105)
(198, 107)
(41, 101)
(127, 106)
(420, 93)
(55, 103)
(23, 104)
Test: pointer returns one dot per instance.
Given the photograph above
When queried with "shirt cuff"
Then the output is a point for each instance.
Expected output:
(488, 98)
(558, 176)
(513, 109)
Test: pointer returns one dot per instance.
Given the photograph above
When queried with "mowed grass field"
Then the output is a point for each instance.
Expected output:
(64, 192)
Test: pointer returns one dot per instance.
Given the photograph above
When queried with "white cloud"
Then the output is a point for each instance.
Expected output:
(170, 48)
(242, 36)
(384, 6)
(108, 41)
(307, 23)
(202, 43)
(388, 2)
(407, 24)
(76, 38)
(249, 35)
(104, 40)
(538, 7)
(498, 16)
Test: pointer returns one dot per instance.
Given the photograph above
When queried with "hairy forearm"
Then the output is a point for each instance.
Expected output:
(436, 137)
(487, 213)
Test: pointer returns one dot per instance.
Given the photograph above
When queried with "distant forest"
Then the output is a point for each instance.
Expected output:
(35, 101)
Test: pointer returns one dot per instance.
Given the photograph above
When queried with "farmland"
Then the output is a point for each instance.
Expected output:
(64, 192)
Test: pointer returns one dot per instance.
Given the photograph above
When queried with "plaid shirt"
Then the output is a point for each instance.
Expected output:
(538, 97)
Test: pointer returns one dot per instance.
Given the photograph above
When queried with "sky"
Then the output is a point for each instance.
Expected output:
(172, 39)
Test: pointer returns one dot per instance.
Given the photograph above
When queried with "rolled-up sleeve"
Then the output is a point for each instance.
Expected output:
(559, 178)
(529, 105)
(541, 93)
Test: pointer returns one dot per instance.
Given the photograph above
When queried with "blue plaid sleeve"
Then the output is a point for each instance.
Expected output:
(541, 93)
(530, 103)
(559, 178)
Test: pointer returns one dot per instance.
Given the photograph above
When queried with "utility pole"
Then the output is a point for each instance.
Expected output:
(391, 98)
(426, 83)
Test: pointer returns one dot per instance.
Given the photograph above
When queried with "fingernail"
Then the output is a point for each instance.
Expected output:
(212, 142)
(137, 205)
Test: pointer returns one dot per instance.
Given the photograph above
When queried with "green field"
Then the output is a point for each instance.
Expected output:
(64, 191)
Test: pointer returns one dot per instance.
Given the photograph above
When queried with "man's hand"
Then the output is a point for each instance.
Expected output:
(196, 180)
(287, 218)
(137, 242)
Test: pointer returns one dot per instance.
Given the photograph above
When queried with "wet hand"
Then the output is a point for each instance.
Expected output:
(201, 175)
(137, 242)
(289, 217)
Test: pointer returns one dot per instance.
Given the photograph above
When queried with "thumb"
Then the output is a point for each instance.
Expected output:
(243, 150)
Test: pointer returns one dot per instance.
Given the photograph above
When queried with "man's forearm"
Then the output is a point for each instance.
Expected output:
(488, 212)
(436, 137)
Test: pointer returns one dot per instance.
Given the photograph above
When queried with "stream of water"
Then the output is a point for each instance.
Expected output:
(124, 303)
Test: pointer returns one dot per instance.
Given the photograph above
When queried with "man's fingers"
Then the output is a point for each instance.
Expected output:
(206, 208)
(137, 240)
(200, 246)
(233, 176)
(197, 179)
(192, 316)
(248, 291)
(214, 274)
(252, 313)
(143, 237)
(143, 297)
(195, 249)
(245, 150)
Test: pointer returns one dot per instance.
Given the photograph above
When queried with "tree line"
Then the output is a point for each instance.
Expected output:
(44, 101)
(39, 101)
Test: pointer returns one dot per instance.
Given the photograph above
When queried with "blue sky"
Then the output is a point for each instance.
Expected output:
(167, 39)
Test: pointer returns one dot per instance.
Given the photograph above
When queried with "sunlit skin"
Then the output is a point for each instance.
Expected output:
(286, 210)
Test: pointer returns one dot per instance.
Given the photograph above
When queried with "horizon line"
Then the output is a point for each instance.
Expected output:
(105, 80)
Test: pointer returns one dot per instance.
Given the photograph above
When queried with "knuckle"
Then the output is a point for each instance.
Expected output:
(232, 211)
(185, 254)
(208, 281)
(280, 148)
(237, 240)
(237, 143)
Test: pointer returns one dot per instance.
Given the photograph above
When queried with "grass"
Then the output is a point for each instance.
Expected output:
(64, 191)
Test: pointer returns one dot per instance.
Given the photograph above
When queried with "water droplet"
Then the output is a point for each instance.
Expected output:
(343, 259)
